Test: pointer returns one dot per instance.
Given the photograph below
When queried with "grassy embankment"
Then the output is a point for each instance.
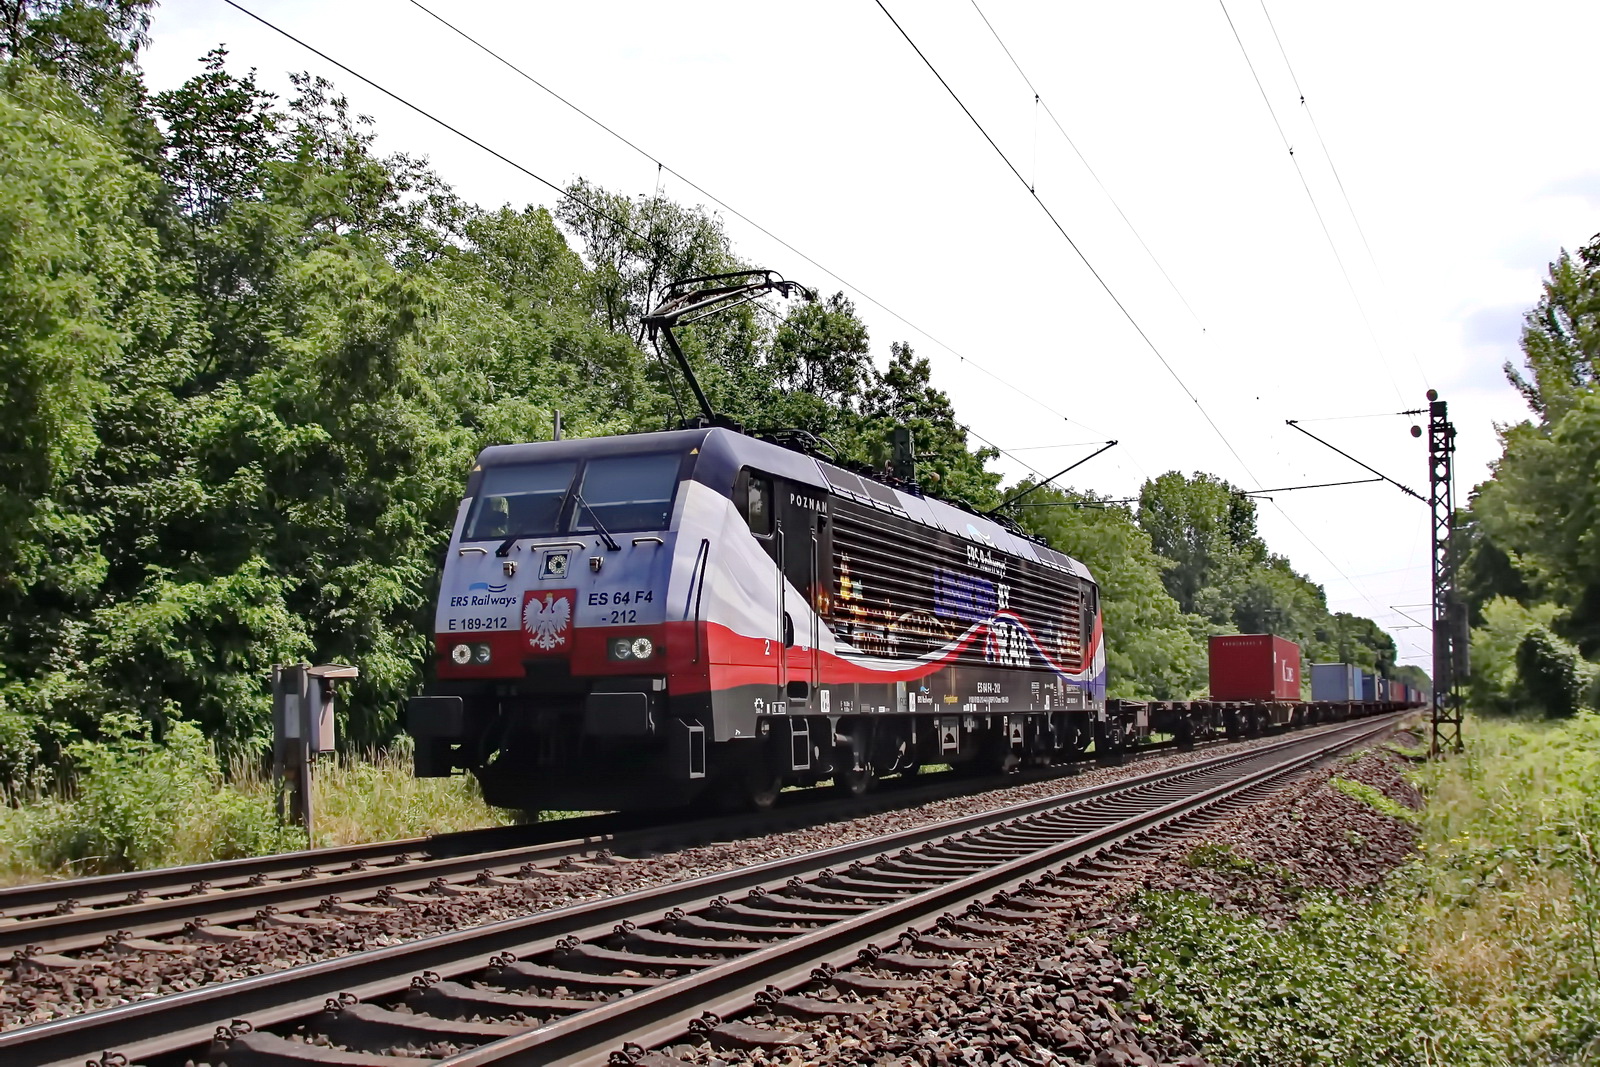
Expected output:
(137, 805)
(1484, 950)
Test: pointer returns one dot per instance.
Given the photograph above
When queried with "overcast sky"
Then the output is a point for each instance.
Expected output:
(1461, 133)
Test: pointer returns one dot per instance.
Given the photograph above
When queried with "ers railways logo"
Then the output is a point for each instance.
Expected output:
(547, 618)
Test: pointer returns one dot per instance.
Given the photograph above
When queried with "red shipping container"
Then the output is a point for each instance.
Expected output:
(1254, 667)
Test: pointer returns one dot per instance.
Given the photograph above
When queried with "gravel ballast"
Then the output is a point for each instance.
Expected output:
(32, 994)
(1056, 992)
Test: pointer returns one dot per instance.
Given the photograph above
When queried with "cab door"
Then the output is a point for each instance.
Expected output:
(756, 495)
(801, 518)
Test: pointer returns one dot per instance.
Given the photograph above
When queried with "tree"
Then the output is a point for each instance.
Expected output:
(1561, 336)
(1537, 530)
(1207, 528)
(1552, 677)
(636, 246)
(821, 350)
(89, 45)
(81, 300)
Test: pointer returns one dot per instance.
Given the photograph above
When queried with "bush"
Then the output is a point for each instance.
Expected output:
(1552, 676)
(1493, 685)
(22, 773)
(137, 803)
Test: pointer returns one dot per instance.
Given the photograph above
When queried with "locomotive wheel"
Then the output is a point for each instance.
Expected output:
(852, 782)
(762, 790)
(852, 761)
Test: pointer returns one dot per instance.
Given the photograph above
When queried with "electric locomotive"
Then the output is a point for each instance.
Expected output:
(650, 619)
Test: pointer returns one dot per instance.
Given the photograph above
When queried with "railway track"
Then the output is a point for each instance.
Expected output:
(126, 912)
(575, 984)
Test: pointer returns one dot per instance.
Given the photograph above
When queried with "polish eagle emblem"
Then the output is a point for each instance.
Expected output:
(545, 617)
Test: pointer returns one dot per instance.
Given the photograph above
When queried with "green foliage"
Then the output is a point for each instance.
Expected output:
(1374, 798)
(1222, 573)
(1414, 676)
(1331, 988)
(1561, 336)
(246, 361)
(78, 264)
(374, 797)
(1486, 950)
(139, 804)
(1207, 528)
(1552, 676)
(1533, 530)
(1495, 685)
(1504, 905)
(1217, 857)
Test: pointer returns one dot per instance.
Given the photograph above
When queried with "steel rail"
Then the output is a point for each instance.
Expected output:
(69, 916)
(659, 1016)
(150, 1028)
(38, 898)
(162, 902)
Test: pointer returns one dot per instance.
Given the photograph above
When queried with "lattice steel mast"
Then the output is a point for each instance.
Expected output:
(1450, 664)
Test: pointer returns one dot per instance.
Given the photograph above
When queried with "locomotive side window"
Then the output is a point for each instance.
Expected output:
(521, 501)
(754, 497)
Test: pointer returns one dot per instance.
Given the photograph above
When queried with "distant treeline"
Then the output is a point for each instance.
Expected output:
(246, 362)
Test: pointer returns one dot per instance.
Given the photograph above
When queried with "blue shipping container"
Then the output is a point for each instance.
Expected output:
(1335, 682)
(1369, 687)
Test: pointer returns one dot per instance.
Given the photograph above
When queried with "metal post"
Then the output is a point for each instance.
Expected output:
(291, 748)
(1449, 637)
(555, 428)
(303, 704)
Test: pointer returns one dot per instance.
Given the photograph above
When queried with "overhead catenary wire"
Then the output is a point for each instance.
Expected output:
(880, 305)
(397, 98)
(625, 227)
(1339, 181)
(1404, 489)
(1120, 306)
(1040, 103)
(1316, 209)
(1160, 356)
(1319, 485)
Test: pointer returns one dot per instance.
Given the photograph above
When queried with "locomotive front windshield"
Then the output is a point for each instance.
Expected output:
(624, 493)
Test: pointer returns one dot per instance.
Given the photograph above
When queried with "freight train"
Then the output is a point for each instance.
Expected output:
(653, 619)
(1255, 684)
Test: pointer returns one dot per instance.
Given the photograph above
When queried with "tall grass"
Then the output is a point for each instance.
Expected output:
(1505, 902)
(1484, 950)
(134, 804)
(375, 798)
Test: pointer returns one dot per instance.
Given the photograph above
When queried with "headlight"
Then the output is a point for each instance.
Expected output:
(462, 654)
(630, 648)
(480, 653)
